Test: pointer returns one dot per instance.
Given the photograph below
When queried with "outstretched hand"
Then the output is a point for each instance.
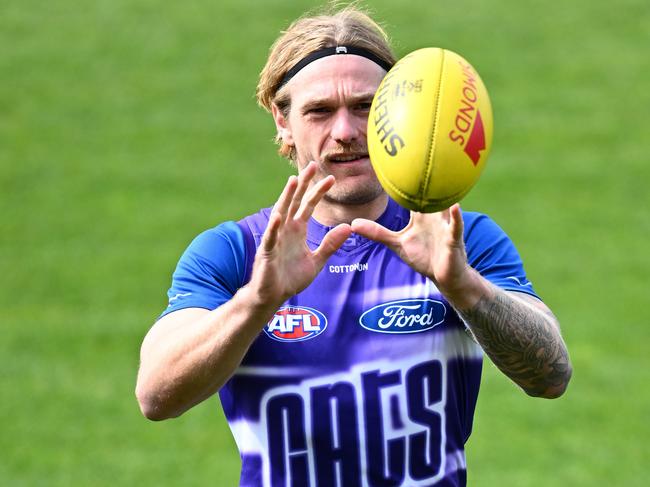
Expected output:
(432, 244)
(284, 264)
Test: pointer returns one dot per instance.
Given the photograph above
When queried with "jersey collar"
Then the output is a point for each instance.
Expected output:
(394, 218)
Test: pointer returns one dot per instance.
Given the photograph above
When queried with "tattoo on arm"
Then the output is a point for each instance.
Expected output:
(523, 341)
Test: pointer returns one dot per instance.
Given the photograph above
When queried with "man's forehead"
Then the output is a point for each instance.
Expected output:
(333, 76)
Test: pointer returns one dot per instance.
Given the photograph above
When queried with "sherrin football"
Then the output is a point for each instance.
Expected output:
(430, 129)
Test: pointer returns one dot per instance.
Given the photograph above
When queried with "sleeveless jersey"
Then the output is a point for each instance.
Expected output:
(368, 377)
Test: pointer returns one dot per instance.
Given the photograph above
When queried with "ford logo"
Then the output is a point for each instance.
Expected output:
(406, 316)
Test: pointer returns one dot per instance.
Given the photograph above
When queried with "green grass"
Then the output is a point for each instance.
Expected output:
(126, 127)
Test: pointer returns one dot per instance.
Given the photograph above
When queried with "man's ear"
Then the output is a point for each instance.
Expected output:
(282, 126)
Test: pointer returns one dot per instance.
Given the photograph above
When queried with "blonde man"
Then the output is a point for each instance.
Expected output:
(344, 334)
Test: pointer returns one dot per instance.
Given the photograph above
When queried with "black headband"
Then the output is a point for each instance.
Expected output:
(330, 51)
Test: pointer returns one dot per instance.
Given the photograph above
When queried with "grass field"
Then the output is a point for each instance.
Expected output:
(127, 127)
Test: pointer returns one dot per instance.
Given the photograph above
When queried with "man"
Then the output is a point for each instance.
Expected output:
(344, 334)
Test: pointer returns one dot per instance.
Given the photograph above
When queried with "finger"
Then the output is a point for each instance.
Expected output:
(441, 215)
(270, 237)
(282, 205)
(374, 231)
(314, 196)
(446, 215)
(456, 222)
(331, 243)
(304, 178)
(437, 221)
(417, 218)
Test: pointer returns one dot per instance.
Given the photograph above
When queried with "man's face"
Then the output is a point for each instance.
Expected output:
(327, 123)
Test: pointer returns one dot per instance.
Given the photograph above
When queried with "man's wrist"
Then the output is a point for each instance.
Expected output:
(257, 302)
(466, 291)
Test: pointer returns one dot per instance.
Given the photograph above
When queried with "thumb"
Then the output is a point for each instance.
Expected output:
(374, 231)
(331, 243)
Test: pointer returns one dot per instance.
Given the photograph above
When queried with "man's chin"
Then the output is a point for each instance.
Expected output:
(354, 195)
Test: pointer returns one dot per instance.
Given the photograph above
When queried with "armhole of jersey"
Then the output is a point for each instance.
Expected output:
(249, 250)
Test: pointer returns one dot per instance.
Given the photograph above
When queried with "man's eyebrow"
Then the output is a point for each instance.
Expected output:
(362, 97)
(325, 102)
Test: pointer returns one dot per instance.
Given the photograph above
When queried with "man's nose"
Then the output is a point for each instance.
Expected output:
(345, 127)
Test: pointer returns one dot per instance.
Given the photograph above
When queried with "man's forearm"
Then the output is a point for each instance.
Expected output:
(522, 338)
(188, 355)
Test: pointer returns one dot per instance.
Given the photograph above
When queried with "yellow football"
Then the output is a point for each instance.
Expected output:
(430, 129)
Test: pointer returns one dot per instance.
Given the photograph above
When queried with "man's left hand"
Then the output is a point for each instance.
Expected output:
(432, 244)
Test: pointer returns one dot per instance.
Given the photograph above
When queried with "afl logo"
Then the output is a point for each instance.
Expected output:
(293, 324)
(406, 316)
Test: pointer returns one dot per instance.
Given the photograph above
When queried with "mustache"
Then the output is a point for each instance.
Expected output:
(346, 150)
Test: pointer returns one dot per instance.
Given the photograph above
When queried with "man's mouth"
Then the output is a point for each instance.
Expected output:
(349, 157)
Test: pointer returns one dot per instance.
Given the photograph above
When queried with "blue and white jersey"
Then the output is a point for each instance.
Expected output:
(366, 378)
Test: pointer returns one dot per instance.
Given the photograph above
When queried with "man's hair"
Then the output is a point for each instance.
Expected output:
(347, 26)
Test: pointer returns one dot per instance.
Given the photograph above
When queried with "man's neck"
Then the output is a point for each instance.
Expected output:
(331, 213)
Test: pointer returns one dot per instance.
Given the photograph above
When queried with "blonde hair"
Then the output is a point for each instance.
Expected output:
(348, 26)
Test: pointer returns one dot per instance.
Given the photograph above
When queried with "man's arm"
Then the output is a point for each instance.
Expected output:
(519, 333)
(189, 354)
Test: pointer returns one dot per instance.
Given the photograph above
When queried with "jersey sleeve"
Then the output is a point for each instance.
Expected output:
(210, 271)
(491, 252)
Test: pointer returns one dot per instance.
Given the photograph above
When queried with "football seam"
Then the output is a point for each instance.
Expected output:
(421, 202)
(424, 187)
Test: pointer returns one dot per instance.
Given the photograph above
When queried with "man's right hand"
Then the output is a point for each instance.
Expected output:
(190, 353)
(284, 264)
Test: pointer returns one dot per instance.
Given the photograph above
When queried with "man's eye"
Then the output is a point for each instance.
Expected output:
(364, 106)
(318, 110)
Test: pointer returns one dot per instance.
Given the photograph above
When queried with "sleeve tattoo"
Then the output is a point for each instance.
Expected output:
(522, 337)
